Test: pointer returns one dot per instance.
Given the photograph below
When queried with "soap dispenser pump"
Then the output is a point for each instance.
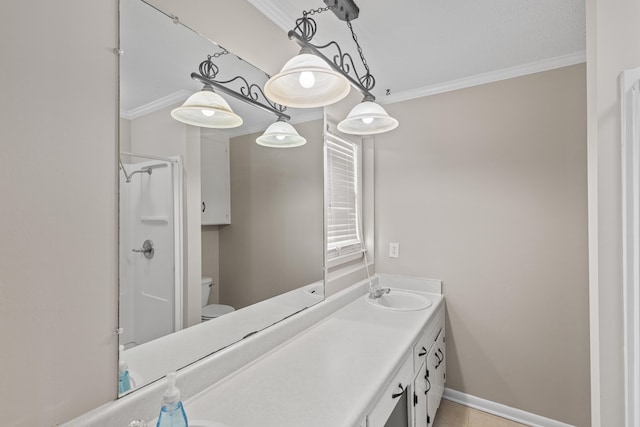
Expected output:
(172, 412)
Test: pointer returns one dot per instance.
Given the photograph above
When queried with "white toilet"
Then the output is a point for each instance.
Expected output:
(211, 311)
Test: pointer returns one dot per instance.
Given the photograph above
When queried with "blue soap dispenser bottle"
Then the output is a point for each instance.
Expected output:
(172, 412)
(124, 381)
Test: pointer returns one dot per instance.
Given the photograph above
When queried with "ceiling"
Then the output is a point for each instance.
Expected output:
(414, 48)
(158, 58)
(418, 47)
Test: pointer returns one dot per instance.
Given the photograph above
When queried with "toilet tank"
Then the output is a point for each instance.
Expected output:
(206, 288)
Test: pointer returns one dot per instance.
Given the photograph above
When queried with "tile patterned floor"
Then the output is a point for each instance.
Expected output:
(451, 414)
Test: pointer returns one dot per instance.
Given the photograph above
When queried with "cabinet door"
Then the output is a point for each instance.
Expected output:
(435, 375)
(215, 186)
(432, 397)
(420, 397)
(440, 375)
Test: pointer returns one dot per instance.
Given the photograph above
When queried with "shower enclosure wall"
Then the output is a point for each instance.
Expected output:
(150, 248)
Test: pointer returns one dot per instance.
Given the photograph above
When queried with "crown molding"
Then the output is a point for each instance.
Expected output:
(490, 77)
(267, 8)
(158, 104)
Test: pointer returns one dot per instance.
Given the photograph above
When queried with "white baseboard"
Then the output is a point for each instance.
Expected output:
(500, 410)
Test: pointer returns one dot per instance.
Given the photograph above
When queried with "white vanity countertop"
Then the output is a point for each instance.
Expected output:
(329, 375)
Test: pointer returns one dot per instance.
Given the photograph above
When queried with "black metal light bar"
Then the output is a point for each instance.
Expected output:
(345, 10)
(249, 92)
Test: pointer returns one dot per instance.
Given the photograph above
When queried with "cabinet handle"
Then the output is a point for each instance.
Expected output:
(440, 357)
(428, 386)
(204, 207)
(423, 351)
(397, 395)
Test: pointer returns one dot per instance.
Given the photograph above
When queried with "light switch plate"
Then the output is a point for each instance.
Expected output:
(394, 250)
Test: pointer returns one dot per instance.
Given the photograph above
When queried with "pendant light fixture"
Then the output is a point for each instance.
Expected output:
(208, 109)
(281, 134)
(367, 118)
(303, 83)
(306, 81)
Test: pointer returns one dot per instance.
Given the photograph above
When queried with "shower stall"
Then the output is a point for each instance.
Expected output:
(151, 251)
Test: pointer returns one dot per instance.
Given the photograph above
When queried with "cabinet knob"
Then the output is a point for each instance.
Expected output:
(396, 395)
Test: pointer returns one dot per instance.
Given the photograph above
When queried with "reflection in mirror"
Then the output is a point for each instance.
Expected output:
(150, 248)
(220, 237)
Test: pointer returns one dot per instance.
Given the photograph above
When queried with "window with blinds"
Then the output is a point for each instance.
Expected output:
(343, 196)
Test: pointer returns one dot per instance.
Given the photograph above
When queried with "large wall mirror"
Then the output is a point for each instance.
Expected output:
(219, 237)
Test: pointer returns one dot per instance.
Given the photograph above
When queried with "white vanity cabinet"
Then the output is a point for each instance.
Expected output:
(215, 185)
(412, 398)
(429, 360)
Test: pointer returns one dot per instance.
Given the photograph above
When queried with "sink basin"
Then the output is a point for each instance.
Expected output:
(398, 300)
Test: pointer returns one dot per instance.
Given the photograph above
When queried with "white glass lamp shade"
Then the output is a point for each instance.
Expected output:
(306, 81)
(207, 109)
(281, 135)
(367, 118)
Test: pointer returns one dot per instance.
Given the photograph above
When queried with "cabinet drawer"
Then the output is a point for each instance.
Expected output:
(401, 381)
(427, 339)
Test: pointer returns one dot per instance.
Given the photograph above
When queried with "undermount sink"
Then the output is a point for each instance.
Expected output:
(398, 300)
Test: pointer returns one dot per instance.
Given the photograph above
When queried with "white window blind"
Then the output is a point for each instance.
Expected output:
(343, 192)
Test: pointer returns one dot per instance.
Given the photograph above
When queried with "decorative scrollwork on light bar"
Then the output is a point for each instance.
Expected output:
(250, 93)
(342, 62)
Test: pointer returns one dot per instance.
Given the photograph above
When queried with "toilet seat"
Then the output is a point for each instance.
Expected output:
(212, 311)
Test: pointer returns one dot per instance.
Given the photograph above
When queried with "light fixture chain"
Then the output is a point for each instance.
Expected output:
(219, 54)
(367, 79)
(355, 39)
(318, 10)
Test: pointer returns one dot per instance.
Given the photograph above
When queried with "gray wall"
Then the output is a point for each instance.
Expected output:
(58, 215)
(276, 195)
(485, 188)
(59, 184)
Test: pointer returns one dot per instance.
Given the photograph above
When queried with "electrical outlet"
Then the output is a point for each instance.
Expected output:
(394, 250)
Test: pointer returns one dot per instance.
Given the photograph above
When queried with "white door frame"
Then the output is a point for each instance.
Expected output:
(630, 104)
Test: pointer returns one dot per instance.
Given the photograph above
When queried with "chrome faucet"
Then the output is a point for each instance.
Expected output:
(377, 293)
